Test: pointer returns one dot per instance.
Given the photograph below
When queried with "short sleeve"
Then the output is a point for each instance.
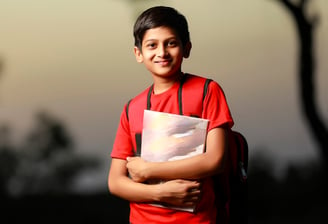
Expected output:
(123, 145)
(215, 107)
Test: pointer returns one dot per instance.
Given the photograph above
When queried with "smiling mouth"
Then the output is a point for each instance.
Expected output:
(163, 62)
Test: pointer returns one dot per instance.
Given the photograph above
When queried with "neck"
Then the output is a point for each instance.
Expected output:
(163, 84)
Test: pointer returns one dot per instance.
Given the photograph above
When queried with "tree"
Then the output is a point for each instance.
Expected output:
(46, 163)
(8, 158)
(306, 25)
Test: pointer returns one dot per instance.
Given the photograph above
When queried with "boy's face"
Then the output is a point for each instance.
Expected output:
(162, 52)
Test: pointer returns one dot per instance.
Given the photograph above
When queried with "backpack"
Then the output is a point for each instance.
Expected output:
(231, 186)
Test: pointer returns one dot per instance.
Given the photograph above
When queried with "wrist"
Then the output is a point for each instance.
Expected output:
(157, 192)
(147, 173)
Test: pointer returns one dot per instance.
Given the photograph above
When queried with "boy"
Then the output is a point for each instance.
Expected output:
(161, 42)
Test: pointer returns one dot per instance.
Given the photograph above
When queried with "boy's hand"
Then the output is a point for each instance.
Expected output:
(182, 193)
(137, 168)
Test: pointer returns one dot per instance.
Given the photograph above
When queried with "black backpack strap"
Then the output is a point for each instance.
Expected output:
(149, 96)
(207, 82)
(137, 135)
(242, 159)
(127, 109)
(138, 144)
(179, 97)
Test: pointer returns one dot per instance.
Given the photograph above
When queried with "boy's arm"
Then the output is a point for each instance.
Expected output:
(197, 167)
(175, 192)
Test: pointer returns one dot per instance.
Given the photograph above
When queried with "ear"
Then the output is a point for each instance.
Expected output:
(138, 54)
(186, 50)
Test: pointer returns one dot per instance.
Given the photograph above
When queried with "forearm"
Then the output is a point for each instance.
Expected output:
(127, 189)
(121, 185)
(196, 167)
(175, 192)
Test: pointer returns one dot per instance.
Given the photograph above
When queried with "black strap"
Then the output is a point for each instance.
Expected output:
(241, 166)
(138, 144)
(149, 96)
(150, 91)
(180, 97)
(207, 82)
(238, 146)
(127, 109)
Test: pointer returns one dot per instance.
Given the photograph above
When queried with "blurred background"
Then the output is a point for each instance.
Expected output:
(67, 68)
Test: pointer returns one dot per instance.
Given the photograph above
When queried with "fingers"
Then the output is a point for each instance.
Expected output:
(193, 193)
(191, 200)
(180, 192)
(191, 183)
(192, 187)
(129, 158)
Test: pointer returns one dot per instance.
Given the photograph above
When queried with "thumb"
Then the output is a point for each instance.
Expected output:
(129, 158)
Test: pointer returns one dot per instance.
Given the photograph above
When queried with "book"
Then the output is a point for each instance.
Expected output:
(168, 137)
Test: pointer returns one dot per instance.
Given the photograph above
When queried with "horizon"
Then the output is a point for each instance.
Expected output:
(75, 62)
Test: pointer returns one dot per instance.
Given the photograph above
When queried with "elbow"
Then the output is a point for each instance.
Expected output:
(220, 164)
(111, 186)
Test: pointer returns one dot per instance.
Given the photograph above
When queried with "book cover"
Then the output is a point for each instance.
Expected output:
(167, 137)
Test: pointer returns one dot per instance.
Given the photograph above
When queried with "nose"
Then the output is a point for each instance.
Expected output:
(161, 50)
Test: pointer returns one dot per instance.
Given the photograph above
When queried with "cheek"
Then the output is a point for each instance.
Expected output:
(177, 52)
(148, 55)
(178, 56)
(147, 52)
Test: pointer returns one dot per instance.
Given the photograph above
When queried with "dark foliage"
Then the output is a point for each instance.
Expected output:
(52, 209)
(44, 163)
(298, 197)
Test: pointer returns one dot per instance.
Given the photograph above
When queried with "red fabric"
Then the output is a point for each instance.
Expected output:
(214, 108)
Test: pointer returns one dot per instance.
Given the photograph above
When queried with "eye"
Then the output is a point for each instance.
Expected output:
(172, 43)
(151, 45)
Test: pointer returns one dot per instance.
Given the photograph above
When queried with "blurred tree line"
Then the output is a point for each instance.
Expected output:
(36, 178)
(45, 162)
(298, 196)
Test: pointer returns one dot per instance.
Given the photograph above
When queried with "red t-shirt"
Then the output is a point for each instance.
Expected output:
(214, 108)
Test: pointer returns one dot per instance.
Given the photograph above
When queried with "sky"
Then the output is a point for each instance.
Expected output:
(74, 58)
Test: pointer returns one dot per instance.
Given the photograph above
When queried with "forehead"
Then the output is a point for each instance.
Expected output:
(160, 33)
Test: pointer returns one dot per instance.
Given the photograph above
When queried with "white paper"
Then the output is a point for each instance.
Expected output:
(167, 137)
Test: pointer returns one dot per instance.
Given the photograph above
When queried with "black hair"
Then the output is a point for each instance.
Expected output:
(161, 16)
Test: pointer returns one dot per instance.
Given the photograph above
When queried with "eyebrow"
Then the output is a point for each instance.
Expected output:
(149, 40)
(170, 38)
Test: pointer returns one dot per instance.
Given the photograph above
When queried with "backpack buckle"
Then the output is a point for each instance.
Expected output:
(243, 174)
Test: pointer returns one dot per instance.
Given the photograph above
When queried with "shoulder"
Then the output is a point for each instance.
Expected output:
(194, 81)
(194, 78)
(206, 83)
(211, 88)
(137, 103)
(142, 96)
